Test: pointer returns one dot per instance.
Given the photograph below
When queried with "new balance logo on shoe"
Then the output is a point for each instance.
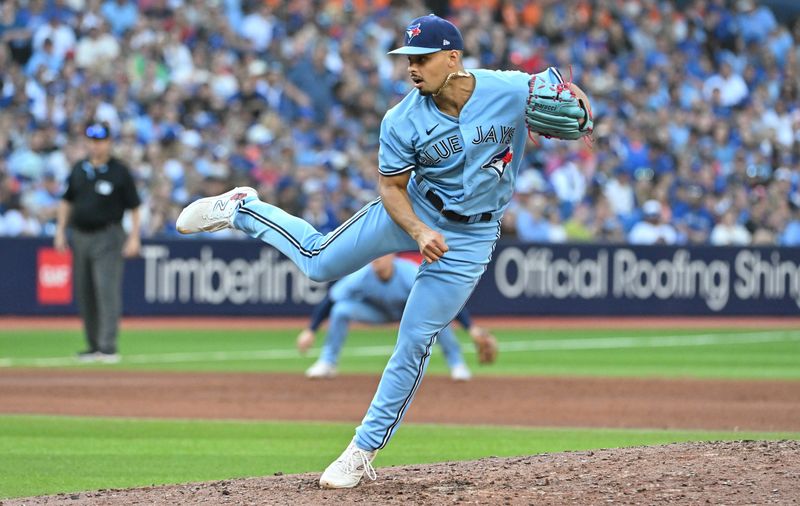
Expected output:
(212, 213)
(221, 204)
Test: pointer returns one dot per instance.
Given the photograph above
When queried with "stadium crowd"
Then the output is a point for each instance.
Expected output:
(697, 109)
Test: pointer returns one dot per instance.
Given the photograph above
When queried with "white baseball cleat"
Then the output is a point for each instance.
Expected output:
(349, 468)
(212, 213)
(460, 373)
(87, 357)
(107, 358)
(321, 370)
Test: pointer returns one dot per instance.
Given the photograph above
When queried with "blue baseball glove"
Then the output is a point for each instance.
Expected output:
(557, 108)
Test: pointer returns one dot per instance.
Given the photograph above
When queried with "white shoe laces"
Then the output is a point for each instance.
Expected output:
(360, 458)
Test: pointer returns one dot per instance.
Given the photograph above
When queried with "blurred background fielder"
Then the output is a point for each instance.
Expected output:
(376, 294)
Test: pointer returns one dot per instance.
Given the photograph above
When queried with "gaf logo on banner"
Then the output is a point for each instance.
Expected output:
(54, 277)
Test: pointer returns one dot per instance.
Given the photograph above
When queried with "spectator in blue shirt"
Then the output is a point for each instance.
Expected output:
(695, 221)
(754, 23)
(47, 58)
(791, 234)
(532, 225)
(311, 76)
(121, 15)
(15, 32)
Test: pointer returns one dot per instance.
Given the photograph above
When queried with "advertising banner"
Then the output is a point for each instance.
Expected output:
(232, 277)
(53, 277)
(643, 280)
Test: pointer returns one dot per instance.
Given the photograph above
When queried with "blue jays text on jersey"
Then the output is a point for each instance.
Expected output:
(469, 161)
(444, 148)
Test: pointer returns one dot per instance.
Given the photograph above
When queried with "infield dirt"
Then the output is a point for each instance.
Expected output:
(524, 401)
(732, 473)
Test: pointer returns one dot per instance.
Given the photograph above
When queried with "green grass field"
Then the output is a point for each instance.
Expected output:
(60, 454)
(44, 455)
(707, 353)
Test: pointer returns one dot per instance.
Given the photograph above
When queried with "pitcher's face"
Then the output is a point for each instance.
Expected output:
(429, 71)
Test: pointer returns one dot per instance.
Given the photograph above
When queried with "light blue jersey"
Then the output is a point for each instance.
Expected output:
(471, 161)
(464, 178)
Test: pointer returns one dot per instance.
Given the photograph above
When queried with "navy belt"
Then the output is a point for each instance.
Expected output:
(450, 215)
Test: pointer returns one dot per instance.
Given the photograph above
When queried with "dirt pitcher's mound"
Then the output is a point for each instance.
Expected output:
(742, 472)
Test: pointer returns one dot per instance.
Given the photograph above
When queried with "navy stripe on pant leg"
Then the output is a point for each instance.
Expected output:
(305, 252)
(407, 401)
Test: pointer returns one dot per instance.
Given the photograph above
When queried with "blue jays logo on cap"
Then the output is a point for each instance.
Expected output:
(430, 34)
(412, 31)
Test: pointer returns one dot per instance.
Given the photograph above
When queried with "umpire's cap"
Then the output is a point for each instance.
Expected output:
(98, 130)
(430, 34)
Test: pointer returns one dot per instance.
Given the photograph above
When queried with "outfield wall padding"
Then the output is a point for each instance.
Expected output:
(235, 277)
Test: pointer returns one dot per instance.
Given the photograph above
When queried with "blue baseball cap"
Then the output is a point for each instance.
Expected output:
(98, 131)
(430, 34)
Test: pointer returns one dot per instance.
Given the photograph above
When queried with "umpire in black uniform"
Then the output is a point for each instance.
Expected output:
(99, 190)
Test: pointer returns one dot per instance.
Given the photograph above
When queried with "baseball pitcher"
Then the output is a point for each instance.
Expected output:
(461, 134)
